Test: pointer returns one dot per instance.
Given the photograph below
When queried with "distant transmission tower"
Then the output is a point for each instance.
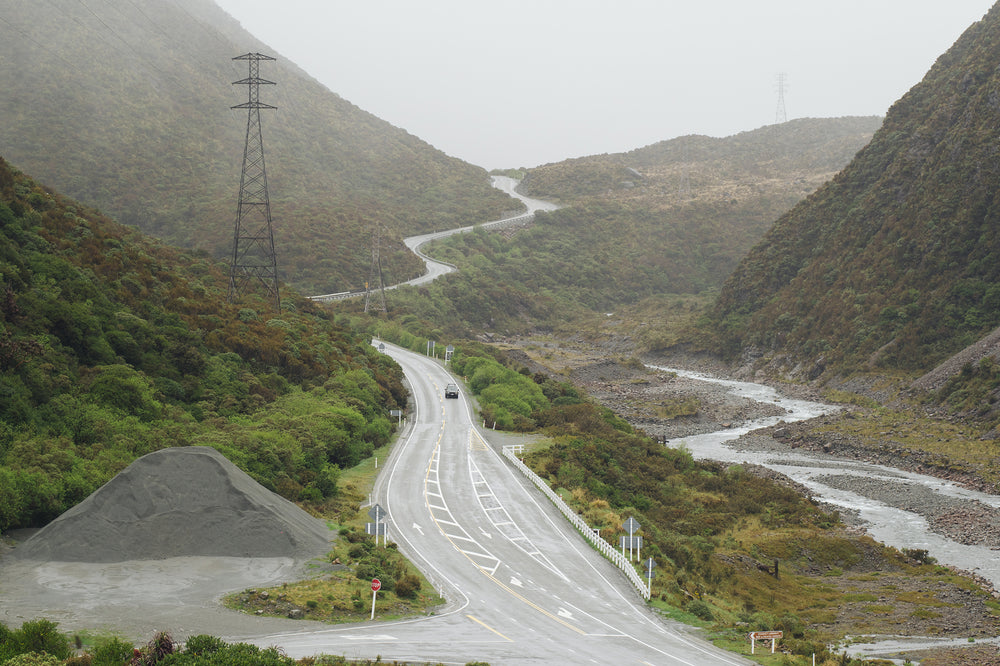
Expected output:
(254, 261)
(780, 116)
(375, 281)
(684, 187)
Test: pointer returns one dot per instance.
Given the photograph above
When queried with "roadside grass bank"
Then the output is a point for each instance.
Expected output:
(715, 532)
(340, 591)
(717, 569)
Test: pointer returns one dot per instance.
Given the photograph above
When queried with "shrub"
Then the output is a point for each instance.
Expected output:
(408, 586)
(114, 652)
(701, 610)
(203, 644)
(791, 625)
(41, 636)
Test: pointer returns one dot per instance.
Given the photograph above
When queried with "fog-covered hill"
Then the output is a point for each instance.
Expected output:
(893, 264)
(674, 218)
(125, 105)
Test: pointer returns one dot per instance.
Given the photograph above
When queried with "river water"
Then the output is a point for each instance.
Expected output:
(826, 477)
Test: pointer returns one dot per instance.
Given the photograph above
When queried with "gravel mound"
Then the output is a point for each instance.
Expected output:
(177, 502)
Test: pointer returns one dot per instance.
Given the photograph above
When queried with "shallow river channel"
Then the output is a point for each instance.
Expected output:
(852, 486)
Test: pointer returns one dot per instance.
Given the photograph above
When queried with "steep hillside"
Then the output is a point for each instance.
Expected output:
(893, 264)
(125, 105)
(112, 346)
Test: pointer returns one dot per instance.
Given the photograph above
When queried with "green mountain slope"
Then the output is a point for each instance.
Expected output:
(125, 105)
(112, 346)
(682, 213)
(893, 264)
(672, 218)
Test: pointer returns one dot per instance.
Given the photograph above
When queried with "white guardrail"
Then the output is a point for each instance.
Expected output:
(509, 452)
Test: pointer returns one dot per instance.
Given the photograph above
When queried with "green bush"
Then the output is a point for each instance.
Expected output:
(408, 586)
(203, 644)
(39, 636)
(113, 652)
(701, 610)
(374, 567)
(235, 654)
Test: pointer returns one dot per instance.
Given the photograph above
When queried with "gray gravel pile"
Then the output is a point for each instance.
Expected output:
(177, 502)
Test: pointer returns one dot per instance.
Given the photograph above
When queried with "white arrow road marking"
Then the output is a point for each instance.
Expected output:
(485, 533)
(418, 528)
(515, 581)
(564, 613)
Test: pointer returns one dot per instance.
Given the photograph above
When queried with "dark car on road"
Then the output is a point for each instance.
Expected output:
(451, 391)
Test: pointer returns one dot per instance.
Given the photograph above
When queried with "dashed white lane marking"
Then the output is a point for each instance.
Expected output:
(445, 521)
(498, 515)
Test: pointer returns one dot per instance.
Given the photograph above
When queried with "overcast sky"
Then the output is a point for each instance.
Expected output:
(526, 82)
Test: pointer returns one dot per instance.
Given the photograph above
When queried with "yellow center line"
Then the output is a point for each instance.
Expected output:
(483, 624)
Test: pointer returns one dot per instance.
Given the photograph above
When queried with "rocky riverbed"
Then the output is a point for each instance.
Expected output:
(668, 406)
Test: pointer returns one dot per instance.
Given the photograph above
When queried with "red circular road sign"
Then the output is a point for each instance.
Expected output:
(376, 584)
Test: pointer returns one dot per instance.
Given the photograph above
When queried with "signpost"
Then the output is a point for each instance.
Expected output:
(772, 636)
(630, 542)
(648, 565)
(631, 526)
(377, 585)
(378, 514)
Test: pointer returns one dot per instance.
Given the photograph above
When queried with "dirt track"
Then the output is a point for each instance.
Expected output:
(136, 598)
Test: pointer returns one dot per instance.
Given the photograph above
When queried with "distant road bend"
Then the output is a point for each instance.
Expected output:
(436, 269)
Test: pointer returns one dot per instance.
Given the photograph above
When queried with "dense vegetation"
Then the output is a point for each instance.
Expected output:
(893, 264)
(630, 234)
(39, 643)
(144, 132)
(715, 532)
(112, 346)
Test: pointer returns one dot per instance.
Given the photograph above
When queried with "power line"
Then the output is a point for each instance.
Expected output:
(254, 259)
(35, 41)
(375, 281)
(779, 115)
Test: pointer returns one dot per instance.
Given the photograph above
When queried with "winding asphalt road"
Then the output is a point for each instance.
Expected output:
(522, 586)
(436, 269)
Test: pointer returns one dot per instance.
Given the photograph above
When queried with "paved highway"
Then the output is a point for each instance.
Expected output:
(522, 586)
(436, 269)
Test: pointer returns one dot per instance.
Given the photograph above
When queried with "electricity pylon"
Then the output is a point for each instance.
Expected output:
(779, 115)
(375, 281)
(254, 259)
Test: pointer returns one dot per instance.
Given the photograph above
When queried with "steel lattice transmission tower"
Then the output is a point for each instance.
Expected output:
(779, 115)
(254, 261)
(375, 281)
